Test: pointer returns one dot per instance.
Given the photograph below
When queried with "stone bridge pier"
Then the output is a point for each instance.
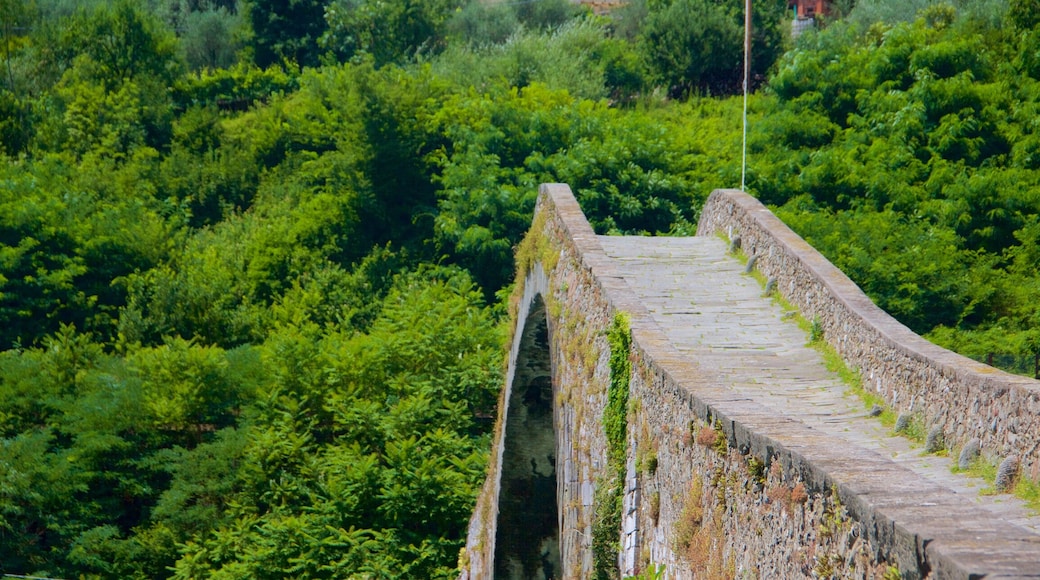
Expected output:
(724, 406)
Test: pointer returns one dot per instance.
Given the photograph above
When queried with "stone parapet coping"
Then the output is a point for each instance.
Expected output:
(968, 399)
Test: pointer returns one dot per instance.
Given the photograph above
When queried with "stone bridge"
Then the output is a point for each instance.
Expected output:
(731, 405)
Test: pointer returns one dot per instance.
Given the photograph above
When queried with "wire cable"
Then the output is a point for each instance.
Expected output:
(747, 76)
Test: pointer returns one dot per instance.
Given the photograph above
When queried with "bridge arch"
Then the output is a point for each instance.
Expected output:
(527, 529)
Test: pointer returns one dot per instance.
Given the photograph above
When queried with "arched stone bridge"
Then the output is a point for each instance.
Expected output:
(665, 412)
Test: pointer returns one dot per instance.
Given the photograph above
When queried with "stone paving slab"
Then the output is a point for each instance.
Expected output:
(716, 314)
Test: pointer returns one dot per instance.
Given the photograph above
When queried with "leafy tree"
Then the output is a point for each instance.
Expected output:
(546, 14)
(122, 42)
(15, 15)
(694, 44)
(209, 38)
(234, 89)
(624, 172)
(1023, 14)
(480, 24)
(574, 57)
(186, 387)
(16, 130)
(912, 125)
(698, 45)
(365, 455)
(285, 31)
(390, 31)
(15, 110)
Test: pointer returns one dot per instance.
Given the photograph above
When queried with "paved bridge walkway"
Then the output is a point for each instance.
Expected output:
(719, 316)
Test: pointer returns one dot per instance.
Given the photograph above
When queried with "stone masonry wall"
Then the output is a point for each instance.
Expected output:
(718, 506)
(968, 399)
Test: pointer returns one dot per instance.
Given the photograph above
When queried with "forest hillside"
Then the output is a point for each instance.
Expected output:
(255, 257)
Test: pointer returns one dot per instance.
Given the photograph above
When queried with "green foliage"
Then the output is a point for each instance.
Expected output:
(1023, 14)
(696, 45)
(15, 126)
(390, 31)
(365, 455)
(285, 31)
(615, 415)
(236, 88)
(546, 14)
(626, 171)
(606, 528)
(902, 160)
(186, 386)
(867, 12)
(124, 42)
(228, 349)
(61, 256)
(912, 281)
(480, 24)
(606, 522)
(652, 572)
(331, 450)
(111, 65)
(571, 57)
(211, 38)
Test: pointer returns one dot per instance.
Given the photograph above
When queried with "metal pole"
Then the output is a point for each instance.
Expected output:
(747, 78)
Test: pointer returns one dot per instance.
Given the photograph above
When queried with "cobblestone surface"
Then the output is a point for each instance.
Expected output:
(718, 316)
(964, 400)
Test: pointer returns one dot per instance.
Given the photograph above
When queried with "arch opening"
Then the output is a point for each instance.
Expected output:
(527, 539)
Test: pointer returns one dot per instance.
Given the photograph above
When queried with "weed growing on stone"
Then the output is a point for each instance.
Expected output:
(721, 444)
(911, 426)
(655, 506)
(606, 528)
(834, 518)
(692, 515)
(756, 468)
(815, 331)
(707, 436)
(646, 449)
(652, 572)
(1028, 491)
(825, 566)
(985, 468)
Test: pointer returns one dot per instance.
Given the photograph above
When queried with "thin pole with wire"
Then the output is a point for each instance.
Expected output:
(747, 77)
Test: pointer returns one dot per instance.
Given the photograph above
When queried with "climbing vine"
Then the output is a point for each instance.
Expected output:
(606, 525)
(615, 416)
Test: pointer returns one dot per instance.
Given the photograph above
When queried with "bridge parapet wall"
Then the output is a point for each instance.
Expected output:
(966, 399)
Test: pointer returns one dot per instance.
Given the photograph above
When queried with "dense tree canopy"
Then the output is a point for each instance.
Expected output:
(905, 154)
(253, 256)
